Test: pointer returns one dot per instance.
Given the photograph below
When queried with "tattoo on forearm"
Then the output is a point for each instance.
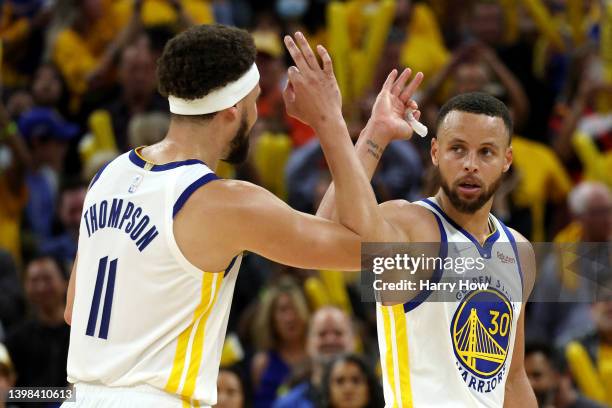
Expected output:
(374, 153)
(374, 149)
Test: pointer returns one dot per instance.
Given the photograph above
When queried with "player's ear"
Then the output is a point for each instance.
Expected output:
(434, 150)
(508, 156)
(230, 114)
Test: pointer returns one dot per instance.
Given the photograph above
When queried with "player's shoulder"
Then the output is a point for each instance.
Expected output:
(414, 220)
(227, 207)
(225, 198)
(108, 165)
(228, 192)
(527, 259)
(518, 237)
(523, 246)
(405, 209)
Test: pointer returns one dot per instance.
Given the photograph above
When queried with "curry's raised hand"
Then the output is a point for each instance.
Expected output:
(392, 102)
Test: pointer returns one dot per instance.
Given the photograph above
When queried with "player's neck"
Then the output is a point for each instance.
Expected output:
(186, 141)
(477, 223)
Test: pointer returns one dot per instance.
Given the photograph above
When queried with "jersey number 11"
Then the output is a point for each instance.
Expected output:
(108, 298)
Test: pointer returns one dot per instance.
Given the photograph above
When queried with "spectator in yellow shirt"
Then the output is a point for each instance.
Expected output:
(543, 181)
(86, 40)
(12, 187)
(172, 12)
(22, 32)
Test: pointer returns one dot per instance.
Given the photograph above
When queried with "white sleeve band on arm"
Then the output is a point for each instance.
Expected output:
(218, 99)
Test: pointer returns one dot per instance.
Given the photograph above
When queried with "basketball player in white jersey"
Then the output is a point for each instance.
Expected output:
(161, 238)
(429, 356)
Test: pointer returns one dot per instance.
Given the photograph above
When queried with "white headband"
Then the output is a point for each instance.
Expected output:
(219, 99)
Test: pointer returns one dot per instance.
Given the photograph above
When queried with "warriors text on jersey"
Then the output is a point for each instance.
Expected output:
(455, 353)
(143, 314)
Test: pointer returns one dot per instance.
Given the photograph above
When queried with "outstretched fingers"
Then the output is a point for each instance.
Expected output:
(400, 83)
(296, 54)
(390, 80)
(412, 87)
(309, 56)
(326, 58)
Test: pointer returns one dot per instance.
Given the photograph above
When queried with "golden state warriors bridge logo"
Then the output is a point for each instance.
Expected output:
(480, 332)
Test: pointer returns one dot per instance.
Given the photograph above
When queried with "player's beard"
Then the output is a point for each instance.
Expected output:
(239, 145)
(468, 206)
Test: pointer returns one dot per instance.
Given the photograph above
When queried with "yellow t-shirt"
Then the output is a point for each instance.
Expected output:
(597, 165)
(78, 54)
(11, 207)
(161, 12)
(424, 48)
(12, 29)
(542, 179)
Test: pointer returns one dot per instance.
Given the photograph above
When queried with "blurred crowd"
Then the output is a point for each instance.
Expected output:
(79, 88)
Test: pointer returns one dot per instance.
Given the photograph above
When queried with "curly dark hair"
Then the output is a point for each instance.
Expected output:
(204, 58)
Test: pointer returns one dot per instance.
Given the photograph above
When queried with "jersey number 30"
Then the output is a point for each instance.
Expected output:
(108, 298)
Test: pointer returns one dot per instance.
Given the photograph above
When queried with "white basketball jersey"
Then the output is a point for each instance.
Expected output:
(143, 314)
(455, 353)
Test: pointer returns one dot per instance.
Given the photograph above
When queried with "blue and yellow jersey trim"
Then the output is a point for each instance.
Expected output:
(187, 366)
(137, 159)
(397, 358)
(483, 249)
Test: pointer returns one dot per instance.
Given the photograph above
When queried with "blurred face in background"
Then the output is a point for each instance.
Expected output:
(71, 207)
(45, 284)
(92, 9)
(348, 387)
(596, 220)
(288, 323)
(47, 86)
(271, 72)
(330, 334)
(137, 70)
(542, 377)
(229, 390)
(487, 22)
(471, 77)
(403, 10)
(47, 150)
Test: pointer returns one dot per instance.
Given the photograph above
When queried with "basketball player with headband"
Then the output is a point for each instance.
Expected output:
(162, 237)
